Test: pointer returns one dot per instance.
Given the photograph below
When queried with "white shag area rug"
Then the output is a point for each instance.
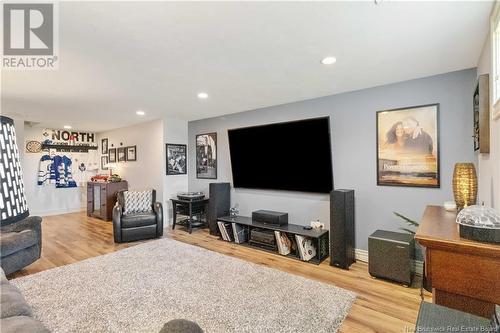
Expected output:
(140, 288)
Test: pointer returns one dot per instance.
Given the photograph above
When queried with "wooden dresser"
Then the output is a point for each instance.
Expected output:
(465, 275)
(101, 198)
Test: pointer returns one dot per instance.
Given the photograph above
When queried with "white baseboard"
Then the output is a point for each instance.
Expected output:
(56, 212)
(362, 255)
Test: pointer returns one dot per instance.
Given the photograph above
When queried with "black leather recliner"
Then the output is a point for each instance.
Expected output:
(137, 226)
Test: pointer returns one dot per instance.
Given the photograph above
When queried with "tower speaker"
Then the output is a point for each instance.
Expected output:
(218, 205)
(342, 242)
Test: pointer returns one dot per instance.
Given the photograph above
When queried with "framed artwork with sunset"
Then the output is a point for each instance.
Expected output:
(408, 146)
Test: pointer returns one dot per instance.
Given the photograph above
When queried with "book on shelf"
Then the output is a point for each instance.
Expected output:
(305, 247)
(283, 242)
(240, 233)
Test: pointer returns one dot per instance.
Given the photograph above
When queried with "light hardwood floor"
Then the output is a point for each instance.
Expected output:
(381, 306)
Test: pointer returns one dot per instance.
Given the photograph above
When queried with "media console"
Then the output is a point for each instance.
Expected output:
(319, 237)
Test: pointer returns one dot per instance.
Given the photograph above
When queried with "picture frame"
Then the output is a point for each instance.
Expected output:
(176, 159)
(131, 153)
(475, 117)
(104, 162)
(481, 115)
(407, 145)
(121, 154)
(112, 155)
(104, 146)
(206, 156)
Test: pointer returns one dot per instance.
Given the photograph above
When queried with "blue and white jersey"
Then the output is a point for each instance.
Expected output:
(55, 170)
(64, 177)
(46, 171)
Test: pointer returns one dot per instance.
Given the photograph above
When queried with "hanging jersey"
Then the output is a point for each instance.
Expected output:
(70, 182)
(46, 171)
(63, 175)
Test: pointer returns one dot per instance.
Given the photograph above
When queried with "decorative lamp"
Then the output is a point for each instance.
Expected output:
(13, 206)
(464, 185)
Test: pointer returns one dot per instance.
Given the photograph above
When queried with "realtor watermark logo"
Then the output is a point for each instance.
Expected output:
(30, 36)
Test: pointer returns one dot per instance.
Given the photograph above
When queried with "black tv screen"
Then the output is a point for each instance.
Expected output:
(292, 156)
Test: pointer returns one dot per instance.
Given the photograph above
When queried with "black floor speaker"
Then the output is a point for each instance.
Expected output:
(342, 243)
(219, 204)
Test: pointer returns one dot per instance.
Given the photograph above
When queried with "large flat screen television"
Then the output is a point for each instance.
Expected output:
(291, 156)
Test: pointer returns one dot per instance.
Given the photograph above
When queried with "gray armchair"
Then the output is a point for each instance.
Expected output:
(20, 244)
(137, 226)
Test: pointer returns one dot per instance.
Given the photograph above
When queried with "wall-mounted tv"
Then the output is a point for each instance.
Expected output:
(291, 156)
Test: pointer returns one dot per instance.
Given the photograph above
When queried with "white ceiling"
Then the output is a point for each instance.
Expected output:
(118, 57)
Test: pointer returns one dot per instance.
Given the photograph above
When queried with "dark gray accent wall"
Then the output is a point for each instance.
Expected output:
(352, 121)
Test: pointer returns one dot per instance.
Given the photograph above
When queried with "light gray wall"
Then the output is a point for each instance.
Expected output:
(352, 121)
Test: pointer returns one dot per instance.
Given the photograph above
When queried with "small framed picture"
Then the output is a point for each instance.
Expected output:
(104, 146)
(176, 159)
(131, 153)
(104, 162)
(121, 154)
(112, 155)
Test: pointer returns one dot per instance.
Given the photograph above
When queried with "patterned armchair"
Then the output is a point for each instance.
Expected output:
(137, 216)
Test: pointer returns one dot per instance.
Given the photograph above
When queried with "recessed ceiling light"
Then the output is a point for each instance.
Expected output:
(328, 60)
(67, 127)
(140, 113)
(202, 95)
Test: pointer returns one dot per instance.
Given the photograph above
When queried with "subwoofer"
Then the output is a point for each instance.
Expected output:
(219, 204)
(390, 256)
(342, 239)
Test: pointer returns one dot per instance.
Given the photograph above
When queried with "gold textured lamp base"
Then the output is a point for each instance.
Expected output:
(464, 185)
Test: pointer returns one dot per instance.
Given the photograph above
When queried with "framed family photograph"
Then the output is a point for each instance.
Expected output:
(121, 154)
(131, 153)
(408, 146)
(176, 159)
(206, 156)
(112, 155)
(104, 146)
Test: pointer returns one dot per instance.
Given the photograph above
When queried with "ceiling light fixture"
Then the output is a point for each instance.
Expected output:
(67, 127)
(328, 60)
(202, 95)
(140, 113)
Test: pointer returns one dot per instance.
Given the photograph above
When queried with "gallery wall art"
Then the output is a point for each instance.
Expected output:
(131, 153)
(120, 154)
(104, 146)
(176, 159)
(206, 156)
(112, 155)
